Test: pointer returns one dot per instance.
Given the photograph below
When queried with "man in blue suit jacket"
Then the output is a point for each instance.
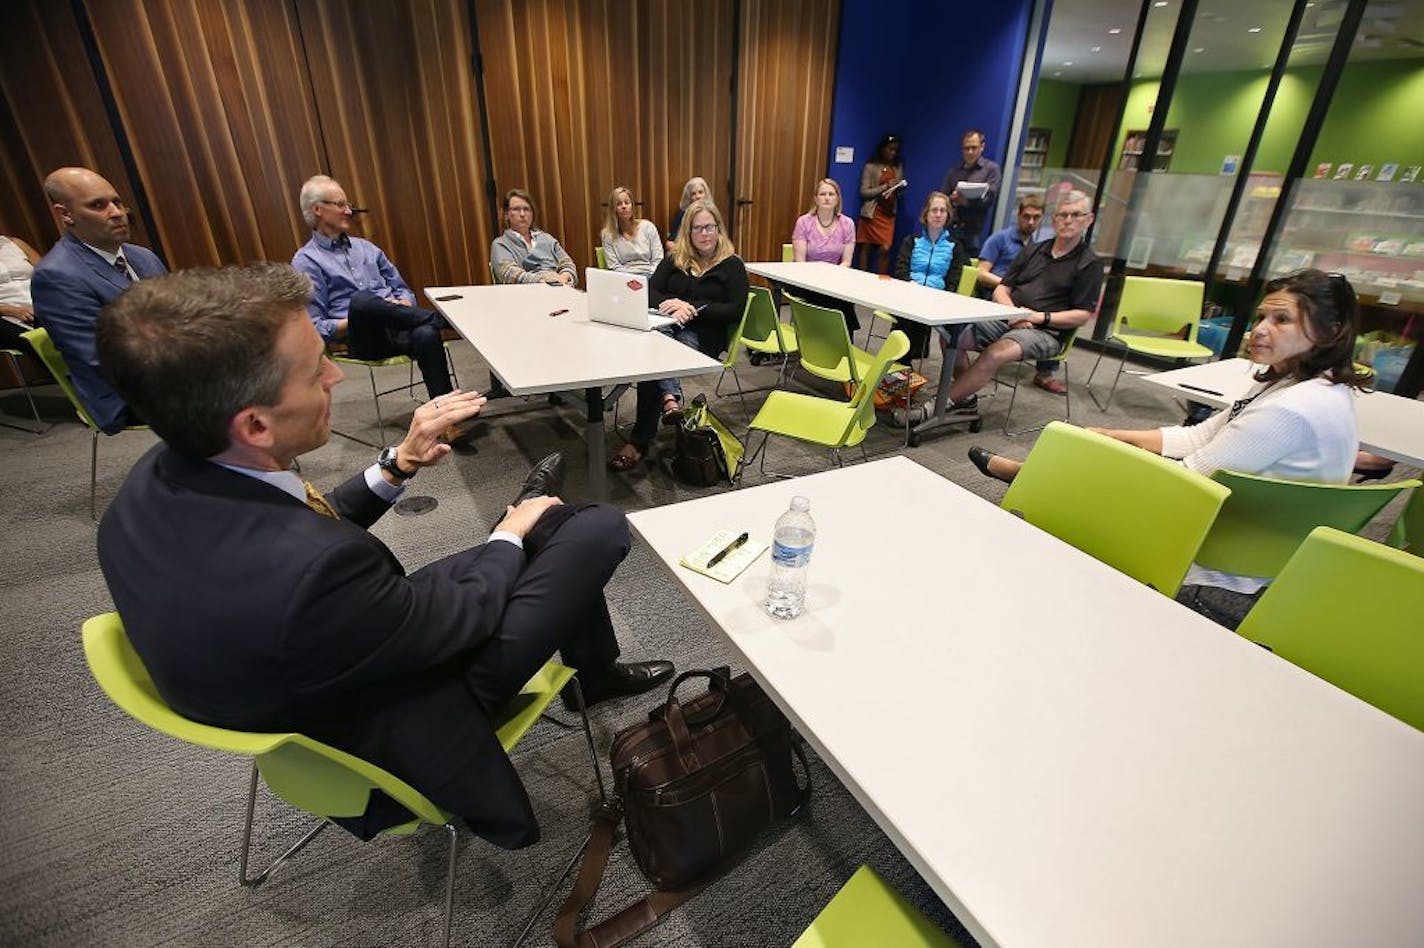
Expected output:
(86, 270)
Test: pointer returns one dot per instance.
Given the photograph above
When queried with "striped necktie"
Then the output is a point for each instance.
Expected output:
(122, 265)
(319, 503)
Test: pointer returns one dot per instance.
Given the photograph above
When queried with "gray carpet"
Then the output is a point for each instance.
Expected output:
(114, 835)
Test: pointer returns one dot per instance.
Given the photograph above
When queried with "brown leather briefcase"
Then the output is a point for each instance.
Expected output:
(697, 784)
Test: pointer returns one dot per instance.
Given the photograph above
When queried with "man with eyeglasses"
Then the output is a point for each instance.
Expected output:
(999, 253)
(359, 297)
(1058, 280)
(970, 212)
(86, 270)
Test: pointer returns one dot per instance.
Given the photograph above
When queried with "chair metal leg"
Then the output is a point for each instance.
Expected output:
(454, 836)
(29, 395)
(550, 892)
(588, 736)
(93, 475)
(376, 397)
(247, 840)
(1103, 406)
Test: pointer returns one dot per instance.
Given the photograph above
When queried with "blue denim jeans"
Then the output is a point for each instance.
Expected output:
(650, 394)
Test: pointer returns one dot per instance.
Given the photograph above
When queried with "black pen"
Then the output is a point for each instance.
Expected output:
(1198, 388)
(725, 550)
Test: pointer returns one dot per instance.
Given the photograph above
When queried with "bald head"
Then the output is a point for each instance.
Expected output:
(87, 206)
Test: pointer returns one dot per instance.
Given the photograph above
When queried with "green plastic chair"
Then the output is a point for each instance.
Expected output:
(337, 353)
(1312, 617)
(968, 278)
(49, 354)
(602, 259)
(759, 331)
(13, 357)
(1061, 358)
(1267, 519)
(1137, 512)
(306, 773)
(1154, 308)
(865, 912)
(825, 421)
(826, 349)
(1408, 531)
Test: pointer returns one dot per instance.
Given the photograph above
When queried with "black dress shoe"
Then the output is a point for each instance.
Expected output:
(618, 681)
(980, 457)
(545, 479)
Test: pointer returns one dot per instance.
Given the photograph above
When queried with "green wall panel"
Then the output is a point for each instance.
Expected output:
(1055, 105)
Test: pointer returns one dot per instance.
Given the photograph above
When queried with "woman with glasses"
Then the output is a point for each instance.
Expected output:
(630, 243)
(702, 284)
(1296, 423)
(931, 257)
(525, 254)
(881, 181)
(694, 190)
(826, 235)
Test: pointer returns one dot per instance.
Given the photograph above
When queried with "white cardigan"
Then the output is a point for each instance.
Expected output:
(1302, 431)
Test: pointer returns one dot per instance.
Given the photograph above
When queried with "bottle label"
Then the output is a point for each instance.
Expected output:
(791, 557)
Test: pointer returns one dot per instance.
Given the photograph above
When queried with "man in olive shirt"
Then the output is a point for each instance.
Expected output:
(1058, 281)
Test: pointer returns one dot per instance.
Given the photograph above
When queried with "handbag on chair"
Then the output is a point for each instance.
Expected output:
(696, 784)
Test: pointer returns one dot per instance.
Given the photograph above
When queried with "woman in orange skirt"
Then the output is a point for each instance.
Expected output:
(881, 181)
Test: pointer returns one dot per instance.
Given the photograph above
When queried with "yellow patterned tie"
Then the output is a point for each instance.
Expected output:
(319, 503)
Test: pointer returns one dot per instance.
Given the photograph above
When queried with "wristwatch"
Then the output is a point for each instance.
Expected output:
(386, 460)
(1047, 319)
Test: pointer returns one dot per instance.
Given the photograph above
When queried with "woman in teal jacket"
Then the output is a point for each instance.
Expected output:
(930, 258)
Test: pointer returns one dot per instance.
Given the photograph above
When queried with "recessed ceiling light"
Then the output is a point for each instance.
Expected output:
(1058, 73)
(1254, 29)
(1096, 49)
(1199, 49)
(1115, 31)
(1160, 3)
(1067, 62)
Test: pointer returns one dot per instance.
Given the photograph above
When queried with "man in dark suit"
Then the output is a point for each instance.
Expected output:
(89, 266)
(256, 603)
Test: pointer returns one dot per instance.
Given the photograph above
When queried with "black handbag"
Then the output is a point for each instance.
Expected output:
(697, 784)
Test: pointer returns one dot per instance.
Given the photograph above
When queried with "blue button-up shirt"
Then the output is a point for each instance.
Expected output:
(339, 268)
(1002, 248)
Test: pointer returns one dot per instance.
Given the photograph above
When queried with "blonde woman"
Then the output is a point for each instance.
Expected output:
(825, 234)
(702, 284)
(630, 243)
(694, 190)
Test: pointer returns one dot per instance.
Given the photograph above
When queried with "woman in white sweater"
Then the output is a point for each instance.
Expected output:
(631, 244)
(1297, 422)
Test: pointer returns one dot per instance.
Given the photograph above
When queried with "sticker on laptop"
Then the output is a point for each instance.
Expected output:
(634, 285)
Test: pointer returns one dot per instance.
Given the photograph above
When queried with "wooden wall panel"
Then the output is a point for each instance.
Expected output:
(787, 76)
(399, 111)
(584, 95)
(218, 112)
(52, 115)
(1094, 125)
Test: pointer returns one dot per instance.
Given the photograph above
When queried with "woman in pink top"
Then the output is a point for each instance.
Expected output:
(825, 234)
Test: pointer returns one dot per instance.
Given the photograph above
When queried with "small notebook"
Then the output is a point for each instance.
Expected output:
(731, 565)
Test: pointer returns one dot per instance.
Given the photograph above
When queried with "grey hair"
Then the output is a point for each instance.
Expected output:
(1075, 197)
(313, 190)
(687, 191)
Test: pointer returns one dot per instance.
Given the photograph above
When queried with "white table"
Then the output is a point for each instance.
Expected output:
(1388, 424)
(901, 298)
(533, 352)
(1066, 756)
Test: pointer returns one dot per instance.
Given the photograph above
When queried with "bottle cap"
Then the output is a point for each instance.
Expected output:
(800, 504)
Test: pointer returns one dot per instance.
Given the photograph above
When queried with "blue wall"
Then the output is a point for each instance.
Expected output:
(914, 68)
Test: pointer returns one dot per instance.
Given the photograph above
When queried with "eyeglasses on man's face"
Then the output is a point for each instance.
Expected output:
(1069, 215)
(704, 228)
(341, 205)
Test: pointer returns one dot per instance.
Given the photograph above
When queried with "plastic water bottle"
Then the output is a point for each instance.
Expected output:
(792, 540)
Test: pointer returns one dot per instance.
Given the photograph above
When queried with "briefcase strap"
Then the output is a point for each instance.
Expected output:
(626, 924)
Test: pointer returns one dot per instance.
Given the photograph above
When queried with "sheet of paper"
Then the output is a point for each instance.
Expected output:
(731, 565)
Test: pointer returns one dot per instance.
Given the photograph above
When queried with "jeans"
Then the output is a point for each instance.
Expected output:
(650, 394)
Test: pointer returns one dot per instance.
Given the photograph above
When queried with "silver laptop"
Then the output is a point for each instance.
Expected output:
(621, 299)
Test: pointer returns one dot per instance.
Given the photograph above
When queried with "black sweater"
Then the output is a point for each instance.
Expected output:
(721, 292)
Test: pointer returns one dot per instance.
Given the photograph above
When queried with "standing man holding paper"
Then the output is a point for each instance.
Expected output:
(973, 205)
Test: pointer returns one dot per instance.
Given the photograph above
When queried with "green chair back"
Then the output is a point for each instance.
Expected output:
(788, 253)
(866, 911)
(48, 352)
(1137, 512)
(1408, 532)
(761, 330)
(1160, 306)
(306, 773)
(862, 400)
(968, 278)
(1267, 519)
(1316, 615)
(600, 257)
(825, 344)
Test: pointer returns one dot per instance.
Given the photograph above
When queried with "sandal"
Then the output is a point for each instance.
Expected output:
(627, 458)
(672, 411)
